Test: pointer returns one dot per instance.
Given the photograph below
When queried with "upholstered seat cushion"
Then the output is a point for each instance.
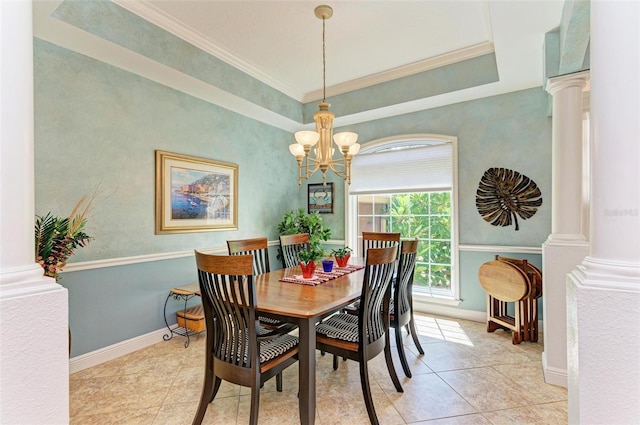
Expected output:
(340, 326)
(269, 321)
(272, 348)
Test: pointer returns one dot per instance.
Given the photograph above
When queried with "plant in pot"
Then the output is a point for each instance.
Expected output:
(56, 238)
(308, 260)
(327, 262)
(297, 221)
(342, 255)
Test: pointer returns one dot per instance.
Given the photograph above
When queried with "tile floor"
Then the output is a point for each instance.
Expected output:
(466, 376)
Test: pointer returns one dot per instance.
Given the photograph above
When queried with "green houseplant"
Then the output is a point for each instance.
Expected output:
(342, 255)
(56, 238)
(297, 221)
(308, 258)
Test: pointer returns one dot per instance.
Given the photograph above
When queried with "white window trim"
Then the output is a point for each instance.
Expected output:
(351, 236)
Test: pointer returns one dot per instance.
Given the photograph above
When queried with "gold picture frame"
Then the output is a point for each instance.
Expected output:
(195, 194)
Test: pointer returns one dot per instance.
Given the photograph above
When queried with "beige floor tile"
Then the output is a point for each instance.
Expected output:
(548, 414)
(275, 408)
(529, 375)
(477, 419)
(427, 397)
(161, 385)
(344, 404)
(487, 389)
(118, 417)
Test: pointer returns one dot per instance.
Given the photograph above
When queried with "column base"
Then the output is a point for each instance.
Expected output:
(603, 345)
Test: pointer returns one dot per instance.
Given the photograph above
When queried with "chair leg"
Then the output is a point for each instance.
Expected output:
(205, 398)
(279, 382)
(255, 403)
(401, 354)
(216, 386)
(335, 362)
(390, 367)
(414, 335)
(366, 393)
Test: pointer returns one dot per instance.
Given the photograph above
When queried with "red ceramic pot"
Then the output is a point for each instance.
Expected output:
(308, 269)
(342, 261)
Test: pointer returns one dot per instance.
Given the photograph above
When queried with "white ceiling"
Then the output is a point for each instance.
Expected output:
(368, 42)
(280, 42)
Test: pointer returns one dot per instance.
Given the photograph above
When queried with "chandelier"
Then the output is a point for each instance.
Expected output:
(321, 157)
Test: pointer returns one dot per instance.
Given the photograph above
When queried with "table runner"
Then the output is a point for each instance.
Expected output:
(319, 276)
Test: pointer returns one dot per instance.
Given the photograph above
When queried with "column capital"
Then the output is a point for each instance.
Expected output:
(578, 79)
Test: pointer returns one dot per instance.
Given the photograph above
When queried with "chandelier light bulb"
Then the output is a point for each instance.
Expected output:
(296, 149)
(346, 138)
(307, 138)
(354, 149)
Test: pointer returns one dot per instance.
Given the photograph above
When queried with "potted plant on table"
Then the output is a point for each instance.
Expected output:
(298, 221)
(342, 255)
(308, 260)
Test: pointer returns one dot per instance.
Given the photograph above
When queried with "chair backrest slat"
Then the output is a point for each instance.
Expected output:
(258, 247)
(374, 300)
(290, 246)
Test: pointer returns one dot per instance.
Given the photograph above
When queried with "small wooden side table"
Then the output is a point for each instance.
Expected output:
(181, 293)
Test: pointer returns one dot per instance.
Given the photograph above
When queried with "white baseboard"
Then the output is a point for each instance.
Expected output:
(553, 375)
(449, 311)
(94, 358)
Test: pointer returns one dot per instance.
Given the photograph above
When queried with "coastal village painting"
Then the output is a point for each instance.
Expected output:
(199, 195)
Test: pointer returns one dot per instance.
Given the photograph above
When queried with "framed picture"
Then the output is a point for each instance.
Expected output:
(195, 194)
(320, 198)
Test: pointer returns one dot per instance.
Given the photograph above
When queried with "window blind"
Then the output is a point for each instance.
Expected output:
(407, 170)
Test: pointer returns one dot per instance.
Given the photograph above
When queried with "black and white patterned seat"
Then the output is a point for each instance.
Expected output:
(340, 326)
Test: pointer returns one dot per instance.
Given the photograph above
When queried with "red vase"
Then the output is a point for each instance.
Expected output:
(308, 269)
(342, 261)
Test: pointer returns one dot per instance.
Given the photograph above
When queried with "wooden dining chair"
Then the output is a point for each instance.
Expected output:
(401, 308)
(238, 350)
(378, 240)
(258, 247)
(401, 305)
(363, 337)
(290, 245)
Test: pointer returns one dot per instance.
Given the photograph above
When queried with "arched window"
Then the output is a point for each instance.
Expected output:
(408, 184)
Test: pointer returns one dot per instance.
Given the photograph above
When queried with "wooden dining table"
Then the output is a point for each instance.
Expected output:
(305, 305)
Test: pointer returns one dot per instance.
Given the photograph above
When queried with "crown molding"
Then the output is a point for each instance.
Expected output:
(148, 12)
(449, 58)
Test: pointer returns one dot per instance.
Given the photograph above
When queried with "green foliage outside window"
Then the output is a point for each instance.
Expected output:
(426, 216)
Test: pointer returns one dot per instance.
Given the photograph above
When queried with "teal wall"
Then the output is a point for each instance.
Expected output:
(97, 126)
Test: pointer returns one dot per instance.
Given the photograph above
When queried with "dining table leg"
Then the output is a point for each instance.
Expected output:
(307, 366)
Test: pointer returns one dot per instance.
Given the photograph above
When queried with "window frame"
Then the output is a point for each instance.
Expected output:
(351, 206)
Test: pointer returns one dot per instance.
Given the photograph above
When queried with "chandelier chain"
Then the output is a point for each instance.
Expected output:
(324, 63)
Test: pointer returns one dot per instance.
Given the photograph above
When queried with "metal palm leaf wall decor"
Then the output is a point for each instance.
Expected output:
(504, 194)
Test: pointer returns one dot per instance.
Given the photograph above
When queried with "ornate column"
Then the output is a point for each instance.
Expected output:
(34, 370)
(603, 293)
(566, 246)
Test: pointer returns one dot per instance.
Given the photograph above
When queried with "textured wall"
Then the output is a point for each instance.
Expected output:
(98, 126)
(510, 131)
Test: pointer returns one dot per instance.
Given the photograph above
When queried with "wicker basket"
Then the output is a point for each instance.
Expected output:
(192, 318)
